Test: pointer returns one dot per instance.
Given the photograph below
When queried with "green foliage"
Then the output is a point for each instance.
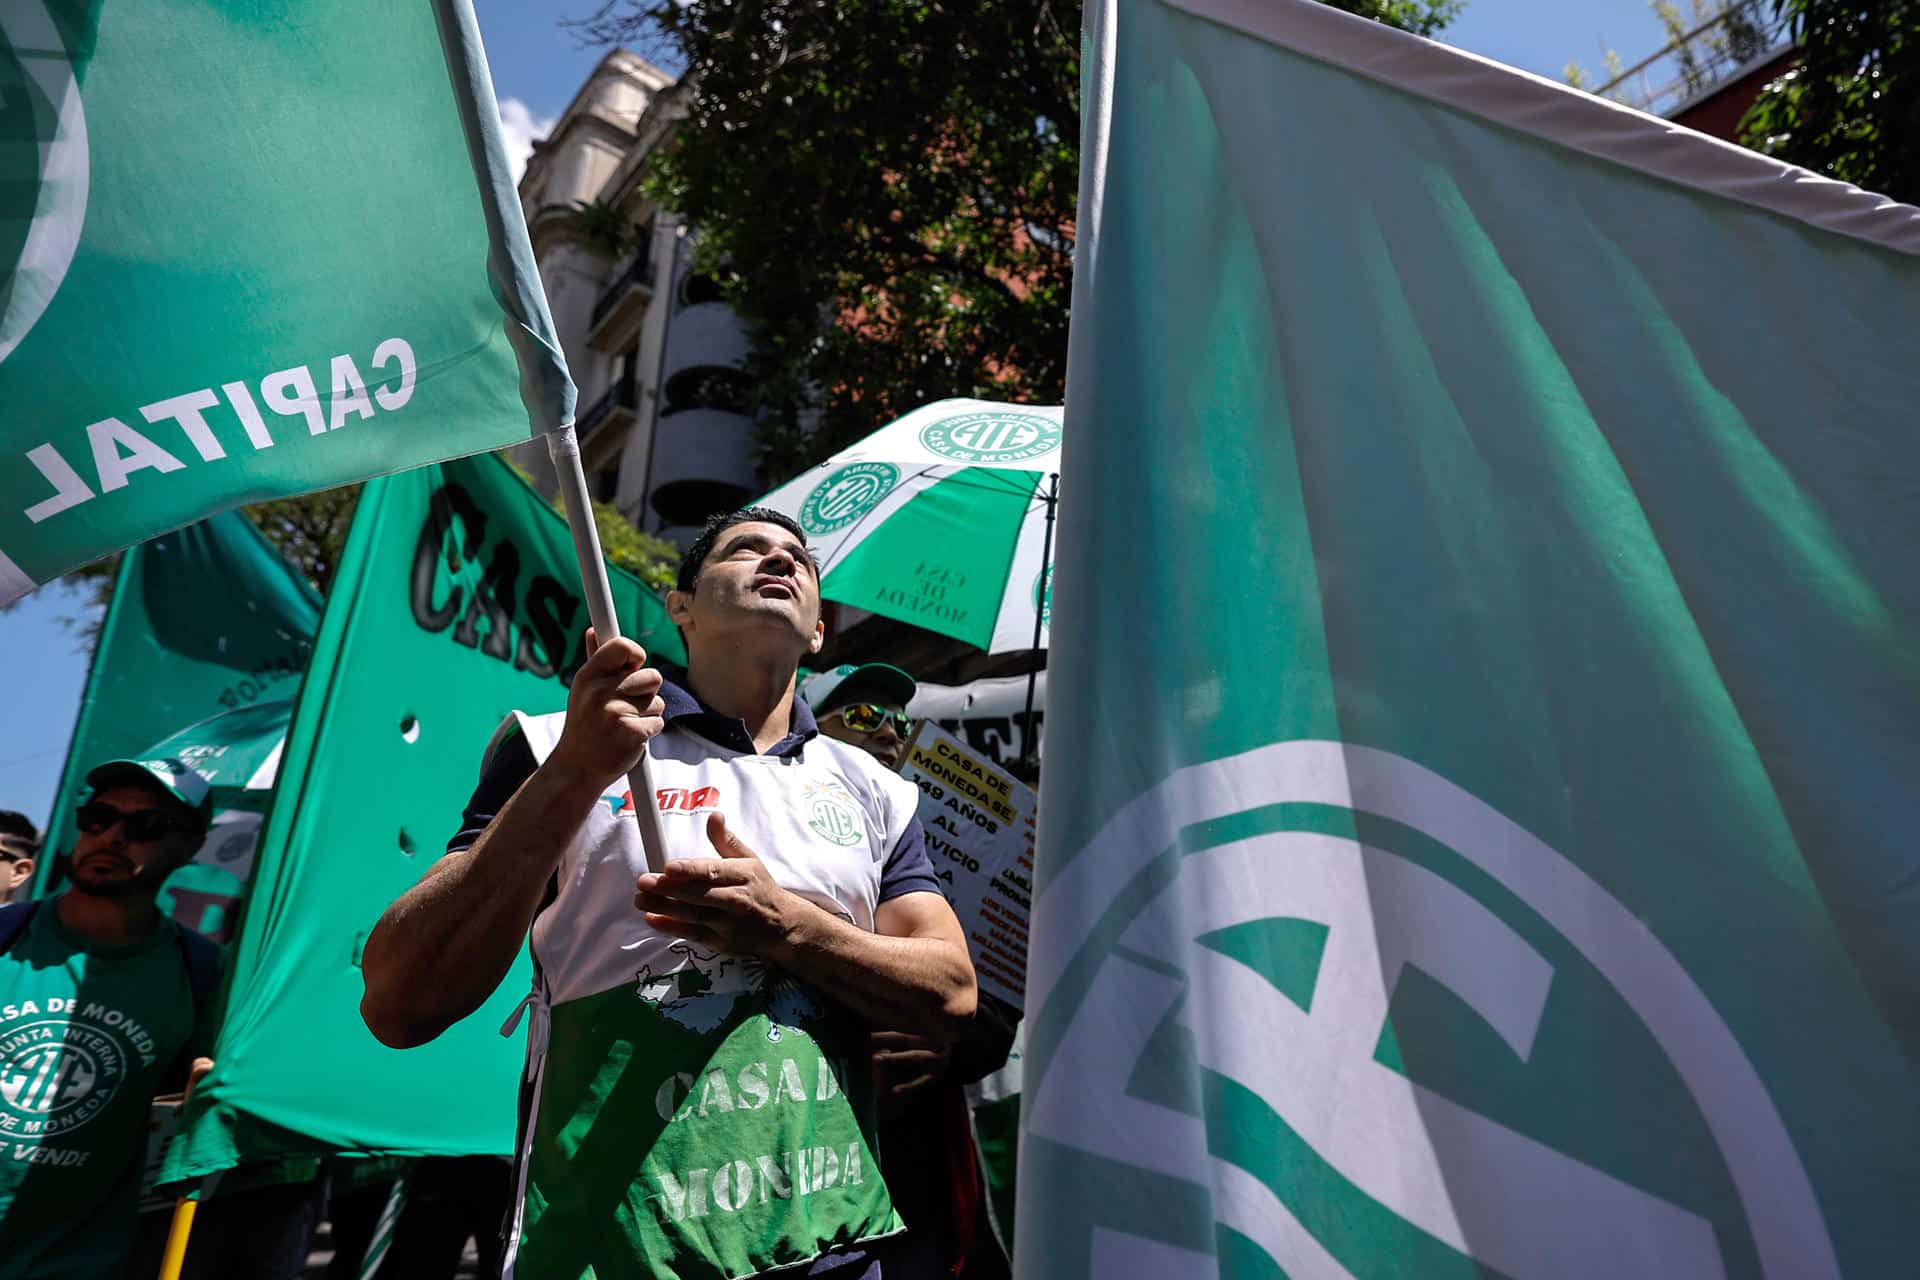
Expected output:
(603, 228)
(1851, 109)
(651, 559)
(885, 190)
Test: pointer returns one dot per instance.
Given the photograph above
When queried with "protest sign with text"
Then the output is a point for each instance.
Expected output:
(979, 829)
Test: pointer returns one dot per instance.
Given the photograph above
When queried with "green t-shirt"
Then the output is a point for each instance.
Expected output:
(88, 1035)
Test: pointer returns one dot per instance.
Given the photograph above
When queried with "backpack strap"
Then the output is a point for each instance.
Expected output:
(14, 917)
(202, 955)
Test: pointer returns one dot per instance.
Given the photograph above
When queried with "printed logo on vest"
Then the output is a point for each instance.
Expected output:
(831, 813)
(700, 994)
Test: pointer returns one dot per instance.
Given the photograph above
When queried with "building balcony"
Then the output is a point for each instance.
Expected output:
(1744, 37)
(702, 463)
(613, 412)
(704, 333)
(618, 311)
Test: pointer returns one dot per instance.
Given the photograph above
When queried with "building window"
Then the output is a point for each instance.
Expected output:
(707, 386)
(697, 287)
(606, 481)
(688, 503)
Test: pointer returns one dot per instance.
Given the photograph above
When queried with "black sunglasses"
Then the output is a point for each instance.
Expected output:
(97, 816)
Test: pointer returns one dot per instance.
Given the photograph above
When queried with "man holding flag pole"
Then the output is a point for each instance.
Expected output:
(701, 1102)
(191, 325)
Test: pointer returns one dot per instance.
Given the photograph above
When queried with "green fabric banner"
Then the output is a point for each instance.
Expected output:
(203, 621)
(457, 601)
(245, 255)
(1506, 863)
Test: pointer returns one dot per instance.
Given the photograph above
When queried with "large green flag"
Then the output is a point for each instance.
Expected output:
(246, 253)
(456, 601)
(1506, 863)
(203, 621)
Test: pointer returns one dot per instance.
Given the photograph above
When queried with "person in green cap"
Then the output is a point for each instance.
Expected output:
(926, 1135)
(100, 1000)
(865, 707)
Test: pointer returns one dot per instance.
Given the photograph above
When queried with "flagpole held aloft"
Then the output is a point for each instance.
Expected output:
(564, 448)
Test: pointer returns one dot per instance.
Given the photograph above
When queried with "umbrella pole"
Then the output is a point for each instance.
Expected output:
(1030, 754)
(564, 448)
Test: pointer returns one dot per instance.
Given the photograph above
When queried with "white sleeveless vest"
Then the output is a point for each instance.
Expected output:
(699, 1114)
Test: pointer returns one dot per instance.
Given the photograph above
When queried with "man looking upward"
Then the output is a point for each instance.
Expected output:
(701, 1104)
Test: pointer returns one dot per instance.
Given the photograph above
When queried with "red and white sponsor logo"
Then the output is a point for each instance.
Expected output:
(687, 800)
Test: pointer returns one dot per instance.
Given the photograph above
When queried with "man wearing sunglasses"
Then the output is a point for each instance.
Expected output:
(865, 707)
(926, 1133)
(700, 1103)
(19, 846)
(100, 1000)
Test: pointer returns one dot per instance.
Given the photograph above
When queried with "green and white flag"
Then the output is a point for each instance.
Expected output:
(244, 256)
(457, 600)
(1498, 509)
(204, 621)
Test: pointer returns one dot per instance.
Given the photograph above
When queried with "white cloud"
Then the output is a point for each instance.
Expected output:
(520, 127)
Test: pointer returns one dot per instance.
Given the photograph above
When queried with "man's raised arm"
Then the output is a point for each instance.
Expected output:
(444, 945)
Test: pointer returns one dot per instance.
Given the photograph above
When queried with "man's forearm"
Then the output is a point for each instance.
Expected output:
(924, 985)
(443, 947)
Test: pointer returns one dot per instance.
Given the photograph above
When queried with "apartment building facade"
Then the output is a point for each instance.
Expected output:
(654, 350)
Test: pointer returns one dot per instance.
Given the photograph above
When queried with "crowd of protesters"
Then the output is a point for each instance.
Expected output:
(806, 960)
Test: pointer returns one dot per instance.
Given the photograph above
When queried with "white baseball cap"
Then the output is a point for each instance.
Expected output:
(176, 778)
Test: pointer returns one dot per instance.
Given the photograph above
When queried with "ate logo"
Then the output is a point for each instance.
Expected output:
(1288, 963)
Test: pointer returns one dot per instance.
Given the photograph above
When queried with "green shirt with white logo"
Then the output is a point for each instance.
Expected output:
(88, 1035)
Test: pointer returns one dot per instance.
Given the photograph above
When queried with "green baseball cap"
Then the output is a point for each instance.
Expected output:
(172, 777)
(875, 681)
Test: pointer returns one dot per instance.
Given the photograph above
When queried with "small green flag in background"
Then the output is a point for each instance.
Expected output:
(1504, 863)
(205, 620)
(457, 600)
(245, 255)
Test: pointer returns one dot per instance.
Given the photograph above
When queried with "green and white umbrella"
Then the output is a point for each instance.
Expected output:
(942, 518)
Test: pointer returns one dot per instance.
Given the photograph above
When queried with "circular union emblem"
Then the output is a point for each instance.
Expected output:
(991, 437)
(42, 213)
(846, 495)
(834, 821)
(1200, 956)
(59, 1074)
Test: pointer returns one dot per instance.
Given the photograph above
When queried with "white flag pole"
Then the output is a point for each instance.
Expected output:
(564, 448)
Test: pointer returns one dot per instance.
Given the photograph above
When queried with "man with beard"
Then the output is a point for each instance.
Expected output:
(100, 997)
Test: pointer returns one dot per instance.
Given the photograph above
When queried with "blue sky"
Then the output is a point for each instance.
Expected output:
(537, 66)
